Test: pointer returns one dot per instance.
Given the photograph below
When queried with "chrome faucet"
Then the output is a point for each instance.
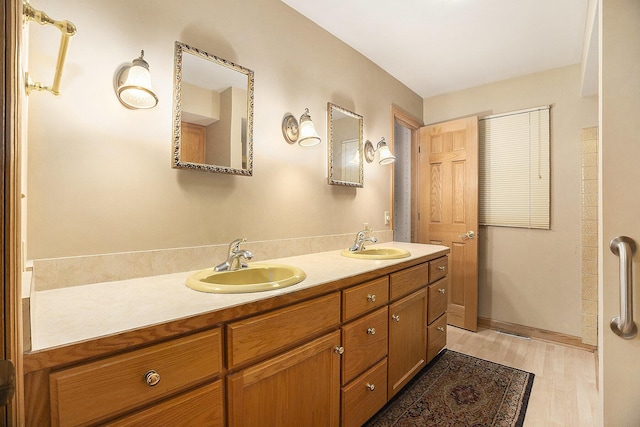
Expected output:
(362, 237)
(234, 257)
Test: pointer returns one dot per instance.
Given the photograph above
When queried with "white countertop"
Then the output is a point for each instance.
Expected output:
(77, 313)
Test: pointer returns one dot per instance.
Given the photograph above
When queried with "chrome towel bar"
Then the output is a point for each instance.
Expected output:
(623, 325)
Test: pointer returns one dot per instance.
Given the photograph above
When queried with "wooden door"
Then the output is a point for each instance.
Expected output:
(407, 340)
(448, 209)
(192, 143)
(298, 388)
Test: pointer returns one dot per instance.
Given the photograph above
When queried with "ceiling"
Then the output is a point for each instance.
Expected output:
(441, 46)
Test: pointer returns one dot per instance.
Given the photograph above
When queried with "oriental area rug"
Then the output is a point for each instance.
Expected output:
(460, 390)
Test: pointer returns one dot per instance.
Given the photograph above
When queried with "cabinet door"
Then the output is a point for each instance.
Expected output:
(407, 339)
(298, 388)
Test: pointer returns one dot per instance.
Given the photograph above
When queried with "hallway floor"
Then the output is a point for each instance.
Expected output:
(564, 390)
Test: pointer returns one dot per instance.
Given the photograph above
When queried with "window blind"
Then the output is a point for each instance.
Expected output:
(514, 169)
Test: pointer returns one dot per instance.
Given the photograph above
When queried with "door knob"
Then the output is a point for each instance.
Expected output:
(468, 235)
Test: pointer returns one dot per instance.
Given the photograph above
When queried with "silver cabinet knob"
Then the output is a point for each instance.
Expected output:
(442, 291)
(371, 386)
(371, 331)
(152, 378)
(338, 350)
(396, 317)
(371, 297)
(442, 268)
(440, 328)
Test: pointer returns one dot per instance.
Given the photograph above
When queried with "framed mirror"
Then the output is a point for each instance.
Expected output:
(344, 143)
(213, 113)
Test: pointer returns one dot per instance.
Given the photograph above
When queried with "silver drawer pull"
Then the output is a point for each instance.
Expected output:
(371, 386)
(440, 328)
(442, 291)
(396, 317)
(338, 350)
(152, 378)
(442, 268)
(371, 331)
(371, 298)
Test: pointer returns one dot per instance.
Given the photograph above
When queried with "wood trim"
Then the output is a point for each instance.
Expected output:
(10, 193)
(539, 334)
(407, 120)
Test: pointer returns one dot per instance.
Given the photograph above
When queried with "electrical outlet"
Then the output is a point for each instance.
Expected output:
(387, 218)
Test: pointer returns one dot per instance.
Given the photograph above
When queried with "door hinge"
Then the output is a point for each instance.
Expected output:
(418, 149)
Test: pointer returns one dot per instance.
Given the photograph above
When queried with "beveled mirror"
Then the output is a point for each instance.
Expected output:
(213, 113)
(344, 144)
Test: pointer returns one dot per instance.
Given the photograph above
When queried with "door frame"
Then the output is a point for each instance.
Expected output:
(10, 193)
(398, 115)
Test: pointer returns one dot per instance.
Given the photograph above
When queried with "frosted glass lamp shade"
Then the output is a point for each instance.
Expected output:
(385, 155)
(308, 135)
(134, 88)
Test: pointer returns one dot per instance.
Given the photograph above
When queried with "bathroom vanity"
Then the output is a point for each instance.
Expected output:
(328, 352)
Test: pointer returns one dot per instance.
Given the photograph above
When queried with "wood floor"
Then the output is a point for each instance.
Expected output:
(564, 389)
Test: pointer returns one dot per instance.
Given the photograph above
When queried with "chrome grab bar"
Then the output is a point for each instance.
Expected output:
(623, 325)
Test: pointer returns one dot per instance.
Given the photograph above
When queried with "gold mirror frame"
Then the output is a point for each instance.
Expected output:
(246, 129)
(345, 148)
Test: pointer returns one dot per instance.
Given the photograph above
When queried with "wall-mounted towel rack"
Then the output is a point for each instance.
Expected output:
(66, 28)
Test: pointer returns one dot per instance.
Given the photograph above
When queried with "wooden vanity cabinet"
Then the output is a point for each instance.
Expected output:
(407, 339)
(365, 343)
(333, 359)
(438, 294)
(97, 391)
(301, 387)
(201, 407)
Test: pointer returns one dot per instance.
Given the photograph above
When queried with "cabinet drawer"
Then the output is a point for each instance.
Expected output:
(259, 336)
(438, 299)
(365, 297)
(436, 337)
(200, 407)
(406, 281)
(364, 342)
(98, 390)
(363, 397)
(438, 268)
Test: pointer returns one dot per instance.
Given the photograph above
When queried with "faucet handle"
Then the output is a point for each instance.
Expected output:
(235, 245)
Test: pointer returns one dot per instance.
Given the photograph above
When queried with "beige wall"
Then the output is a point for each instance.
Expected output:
(532, 277)
(99, 175)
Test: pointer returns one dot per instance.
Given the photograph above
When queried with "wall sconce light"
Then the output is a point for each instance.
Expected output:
(386, 157)
(133, 85)
(303, 132)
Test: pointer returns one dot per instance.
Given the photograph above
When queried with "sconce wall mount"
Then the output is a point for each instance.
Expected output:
(302, 132)
(386, 157)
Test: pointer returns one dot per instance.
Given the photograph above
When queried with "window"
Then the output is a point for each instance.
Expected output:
(514, 169)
